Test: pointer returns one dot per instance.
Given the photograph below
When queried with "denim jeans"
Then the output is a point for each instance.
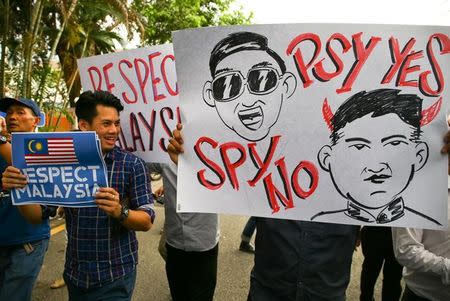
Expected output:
(118, 290)
(19, 268)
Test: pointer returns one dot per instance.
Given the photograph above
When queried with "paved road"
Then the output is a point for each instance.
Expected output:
(233, 271)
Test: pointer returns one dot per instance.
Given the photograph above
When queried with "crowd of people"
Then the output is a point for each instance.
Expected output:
(293, 260)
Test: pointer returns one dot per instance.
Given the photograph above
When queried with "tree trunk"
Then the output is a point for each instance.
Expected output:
(28, 41)
(4, 41)
(53, 49)
(73, 82)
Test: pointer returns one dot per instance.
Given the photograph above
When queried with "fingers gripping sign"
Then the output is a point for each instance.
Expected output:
(108, 200)
(446, 148)
(4, 129)
(13, 178)
(176, 144)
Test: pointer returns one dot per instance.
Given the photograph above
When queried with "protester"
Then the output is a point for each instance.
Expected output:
(246, 236)
(102, 248)
(22, 244)
(248, 87)
(158, 195)
(425, 255)
(191, 244)
(295, 260)
(376, 243)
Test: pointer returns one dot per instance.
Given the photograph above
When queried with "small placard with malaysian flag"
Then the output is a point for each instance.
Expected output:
(63, 169)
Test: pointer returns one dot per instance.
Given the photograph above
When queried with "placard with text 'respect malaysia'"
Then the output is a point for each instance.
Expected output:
(62, 168)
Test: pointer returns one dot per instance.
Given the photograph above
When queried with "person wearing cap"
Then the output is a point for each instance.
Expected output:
(22, 244)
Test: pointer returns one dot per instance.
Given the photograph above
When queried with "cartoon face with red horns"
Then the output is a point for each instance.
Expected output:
(375, 151)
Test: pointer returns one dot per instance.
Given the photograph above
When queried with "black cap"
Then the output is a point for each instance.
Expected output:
(6, 102)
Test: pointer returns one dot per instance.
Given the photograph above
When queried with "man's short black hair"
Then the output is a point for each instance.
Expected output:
(240, 41)
(408, 108)
(86, 106)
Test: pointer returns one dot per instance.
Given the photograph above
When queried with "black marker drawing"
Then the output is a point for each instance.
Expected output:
(249, 84)
(375, 151)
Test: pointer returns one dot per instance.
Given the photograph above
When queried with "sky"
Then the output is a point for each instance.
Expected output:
(421, 12)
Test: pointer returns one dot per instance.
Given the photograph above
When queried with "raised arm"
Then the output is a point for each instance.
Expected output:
(5, 143)
(446, 148)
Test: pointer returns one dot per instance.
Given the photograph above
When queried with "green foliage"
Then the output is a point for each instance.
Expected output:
(165, 16)
(41, 40)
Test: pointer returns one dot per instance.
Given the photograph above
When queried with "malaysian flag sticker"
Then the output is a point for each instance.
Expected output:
(50, 151)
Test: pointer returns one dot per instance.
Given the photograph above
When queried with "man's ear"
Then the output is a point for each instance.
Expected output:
(422, 153)
(289, 84)
(83, 125)
(207, 94)
(37, 119)
(324, 157)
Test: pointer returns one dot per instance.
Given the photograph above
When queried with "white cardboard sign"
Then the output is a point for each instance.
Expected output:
(324, 122)
(144, 80)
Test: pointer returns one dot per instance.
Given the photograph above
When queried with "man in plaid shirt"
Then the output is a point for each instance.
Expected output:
(102, 249)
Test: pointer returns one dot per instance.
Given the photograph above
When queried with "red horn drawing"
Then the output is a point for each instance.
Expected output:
(327, 114)
(429, 114)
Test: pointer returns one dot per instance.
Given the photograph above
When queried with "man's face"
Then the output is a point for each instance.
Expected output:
(374, 160)
(20, 118)
(107, 126)
(247, 91)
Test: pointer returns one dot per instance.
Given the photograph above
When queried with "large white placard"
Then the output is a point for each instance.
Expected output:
(325, 122)
(144, 80)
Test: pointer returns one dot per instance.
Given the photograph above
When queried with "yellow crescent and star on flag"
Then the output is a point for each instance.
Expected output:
(34, 146)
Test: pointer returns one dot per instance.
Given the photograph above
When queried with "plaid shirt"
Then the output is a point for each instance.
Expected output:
(99, 249)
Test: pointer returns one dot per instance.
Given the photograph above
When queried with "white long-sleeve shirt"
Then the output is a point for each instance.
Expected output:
(425, 255)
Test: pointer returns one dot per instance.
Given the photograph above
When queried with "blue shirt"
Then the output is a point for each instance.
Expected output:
(14, 229)
(99, 248)
(301, 261)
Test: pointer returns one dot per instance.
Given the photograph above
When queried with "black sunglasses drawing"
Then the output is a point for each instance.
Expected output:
(249, 84)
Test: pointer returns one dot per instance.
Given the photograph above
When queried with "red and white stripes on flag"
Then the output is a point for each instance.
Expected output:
(59, 151)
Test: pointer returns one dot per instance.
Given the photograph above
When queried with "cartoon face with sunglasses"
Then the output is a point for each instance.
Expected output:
(249, 84)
